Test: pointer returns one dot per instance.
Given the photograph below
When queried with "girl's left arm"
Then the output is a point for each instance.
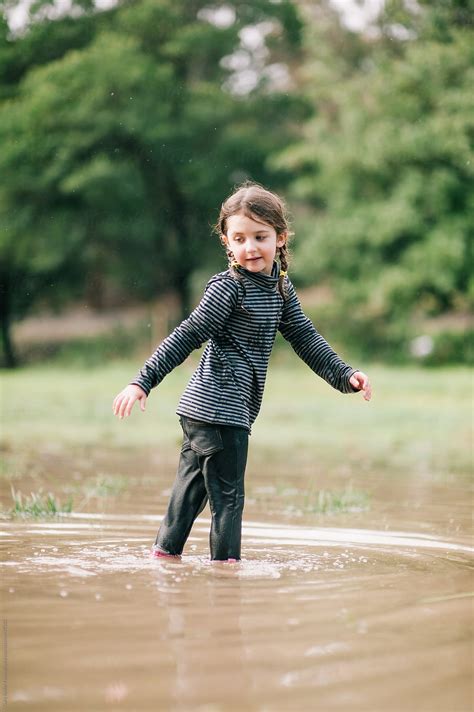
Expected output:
(315, 351)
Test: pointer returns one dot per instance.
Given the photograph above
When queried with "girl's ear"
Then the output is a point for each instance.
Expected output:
(224, 240)
(281, 239)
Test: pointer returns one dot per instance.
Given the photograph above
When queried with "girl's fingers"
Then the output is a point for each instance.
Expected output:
(360, 380)
(127, 406)
(367, 389)
(116, 403)
(123, 404)
(120, 405)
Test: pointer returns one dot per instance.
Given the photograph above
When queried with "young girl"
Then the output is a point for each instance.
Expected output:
(239, 315)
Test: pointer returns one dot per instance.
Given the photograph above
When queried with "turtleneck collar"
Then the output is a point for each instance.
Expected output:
(262, 280)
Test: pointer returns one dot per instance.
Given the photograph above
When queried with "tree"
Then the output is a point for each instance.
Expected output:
(386, 171)
(119, 150)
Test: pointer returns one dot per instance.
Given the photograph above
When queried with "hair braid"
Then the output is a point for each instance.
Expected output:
(284, 256)
(233, 265)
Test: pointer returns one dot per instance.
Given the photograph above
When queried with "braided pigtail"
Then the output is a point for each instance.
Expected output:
(284, 256)
(233, 265)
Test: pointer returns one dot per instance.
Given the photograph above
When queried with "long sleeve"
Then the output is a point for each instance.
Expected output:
(311, 347)
(220, 298)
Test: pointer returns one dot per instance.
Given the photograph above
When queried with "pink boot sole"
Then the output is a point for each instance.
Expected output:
(157, 554)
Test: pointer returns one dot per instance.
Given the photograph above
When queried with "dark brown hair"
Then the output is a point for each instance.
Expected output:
(256, 202)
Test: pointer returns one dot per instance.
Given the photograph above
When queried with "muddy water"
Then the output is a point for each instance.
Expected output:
(362, 611)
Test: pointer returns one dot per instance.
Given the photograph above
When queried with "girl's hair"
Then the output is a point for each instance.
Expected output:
(256, 202)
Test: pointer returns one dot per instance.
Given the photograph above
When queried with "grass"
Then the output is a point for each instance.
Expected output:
(106, 486)
(418, 421)
(37, 505)
(311, 500)
(334, 502)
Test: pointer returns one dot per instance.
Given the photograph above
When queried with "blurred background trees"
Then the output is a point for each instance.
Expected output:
(385, 171)
(122, 131)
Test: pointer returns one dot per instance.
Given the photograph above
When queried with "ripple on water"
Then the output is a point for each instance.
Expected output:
(362, 613)
(269, 550)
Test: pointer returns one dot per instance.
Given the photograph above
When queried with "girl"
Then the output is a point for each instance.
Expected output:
(239, 315)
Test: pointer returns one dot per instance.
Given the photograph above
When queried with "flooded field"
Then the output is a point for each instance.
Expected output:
(364, 606)
(313, 618)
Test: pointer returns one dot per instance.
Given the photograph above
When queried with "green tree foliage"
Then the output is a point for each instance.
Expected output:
(120, 141)
(385, 170)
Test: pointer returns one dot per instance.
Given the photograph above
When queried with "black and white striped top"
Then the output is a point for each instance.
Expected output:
(239, 319)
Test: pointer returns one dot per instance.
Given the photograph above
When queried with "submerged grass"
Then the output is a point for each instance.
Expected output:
(38, 505)
(106, 486)
(311, 500)
(335, 502)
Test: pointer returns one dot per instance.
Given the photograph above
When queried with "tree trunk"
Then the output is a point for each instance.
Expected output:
(184, 295)
(9, 356)
(94, 290)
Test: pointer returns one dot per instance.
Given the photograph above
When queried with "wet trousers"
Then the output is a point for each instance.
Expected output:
(211, 468)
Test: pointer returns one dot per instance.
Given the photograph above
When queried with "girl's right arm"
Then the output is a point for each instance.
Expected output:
(219, 300)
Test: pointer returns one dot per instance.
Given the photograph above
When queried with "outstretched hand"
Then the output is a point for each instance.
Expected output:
(360, 381)
(125, 400)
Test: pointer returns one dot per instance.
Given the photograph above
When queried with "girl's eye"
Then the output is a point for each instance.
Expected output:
(261, 237)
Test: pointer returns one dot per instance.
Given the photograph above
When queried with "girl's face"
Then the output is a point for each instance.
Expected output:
(253, 243)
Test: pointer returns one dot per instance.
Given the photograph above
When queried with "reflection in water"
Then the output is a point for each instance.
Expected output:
(311, 619)
(198, 617)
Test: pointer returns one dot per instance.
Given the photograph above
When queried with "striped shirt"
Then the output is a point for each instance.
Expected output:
(239, 319)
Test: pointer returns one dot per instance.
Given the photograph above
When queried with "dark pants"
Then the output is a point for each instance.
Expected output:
(211, 467)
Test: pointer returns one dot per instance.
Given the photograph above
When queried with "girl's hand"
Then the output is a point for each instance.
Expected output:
(360, 381)
(124, 402)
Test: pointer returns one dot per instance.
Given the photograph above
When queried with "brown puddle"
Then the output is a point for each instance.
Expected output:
(313, 618)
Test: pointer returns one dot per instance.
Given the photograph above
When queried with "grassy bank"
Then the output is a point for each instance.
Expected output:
(418, 419)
